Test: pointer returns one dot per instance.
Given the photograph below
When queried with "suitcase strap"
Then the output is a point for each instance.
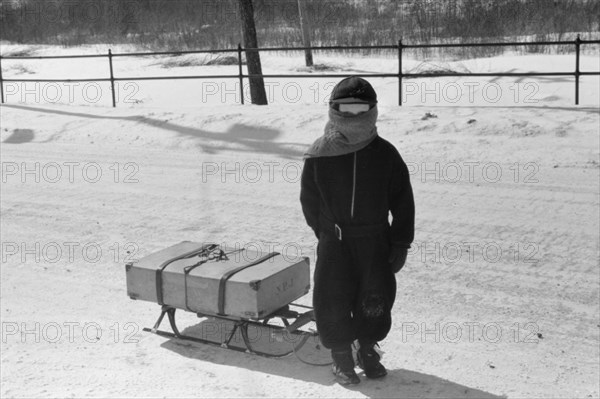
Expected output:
(211, 253)
(163, 266)
(230, 273)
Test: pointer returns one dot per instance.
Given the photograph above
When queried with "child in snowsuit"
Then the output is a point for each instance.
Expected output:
(352, 179)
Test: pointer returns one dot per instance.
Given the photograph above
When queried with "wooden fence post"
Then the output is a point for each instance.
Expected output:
(400, 72)
(1, 82)
(241, 75)
(112, 79)
(577, 71)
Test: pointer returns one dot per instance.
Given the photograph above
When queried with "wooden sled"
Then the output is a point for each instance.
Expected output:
(234, 296)
(282, 340)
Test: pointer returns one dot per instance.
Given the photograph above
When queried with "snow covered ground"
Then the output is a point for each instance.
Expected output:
(500, 295)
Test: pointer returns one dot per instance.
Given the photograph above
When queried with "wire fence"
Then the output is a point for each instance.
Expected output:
(400, 75)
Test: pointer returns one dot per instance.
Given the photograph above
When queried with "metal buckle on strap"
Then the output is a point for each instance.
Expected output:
(338, 232)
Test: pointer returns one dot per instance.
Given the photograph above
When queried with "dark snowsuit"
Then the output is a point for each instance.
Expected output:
(346, 200)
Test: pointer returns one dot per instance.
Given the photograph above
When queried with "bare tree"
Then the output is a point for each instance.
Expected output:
(305, 28)
(257, 85)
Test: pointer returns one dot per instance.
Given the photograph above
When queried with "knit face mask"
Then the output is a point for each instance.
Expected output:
(351, 129)
(345, 133)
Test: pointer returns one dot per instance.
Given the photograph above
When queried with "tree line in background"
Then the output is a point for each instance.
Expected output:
(204, 24)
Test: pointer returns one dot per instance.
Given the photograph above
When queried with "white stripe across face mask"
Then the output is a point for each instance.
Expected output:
(354, 108)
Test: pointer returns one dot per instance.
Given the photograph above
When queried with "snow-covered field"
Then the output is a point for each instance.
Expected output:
(500, 295)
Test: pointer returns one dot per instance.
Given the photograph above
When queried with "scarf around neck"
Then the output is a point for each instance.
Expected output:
(344, 134)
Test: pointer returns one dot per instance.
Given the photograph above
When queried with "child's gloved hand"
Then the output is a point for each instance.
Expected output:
(397, 258)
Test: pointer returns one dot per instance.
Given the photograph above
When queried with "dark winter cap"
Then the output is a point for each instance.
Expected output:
(353, 87)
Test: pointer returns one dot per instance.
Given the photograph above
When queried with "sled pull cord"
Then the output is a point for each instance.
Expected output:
(227, 276)
(163, 266)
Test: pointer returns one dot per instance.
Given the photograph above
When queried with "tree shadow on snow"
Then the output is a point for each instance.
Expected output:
(398, 382)
(245, 138)
(20, 136)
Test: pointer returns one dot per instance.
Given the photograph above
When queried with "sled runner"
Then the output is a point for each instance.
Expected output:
(244, 296)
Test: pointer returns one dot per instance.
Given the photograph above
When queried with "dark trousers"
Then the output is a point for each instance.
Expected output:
(354, 289)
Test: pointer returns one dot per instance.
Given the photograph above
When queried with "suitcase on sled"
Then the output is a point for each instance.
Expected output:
(211, 279)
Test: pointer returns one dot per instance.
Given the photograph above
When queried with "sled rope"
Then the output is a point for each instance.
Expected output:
(291, 328)
(297, 348)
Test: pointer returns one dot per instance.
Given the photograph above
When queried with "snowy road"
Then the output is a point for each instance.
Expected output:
(499, 298)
